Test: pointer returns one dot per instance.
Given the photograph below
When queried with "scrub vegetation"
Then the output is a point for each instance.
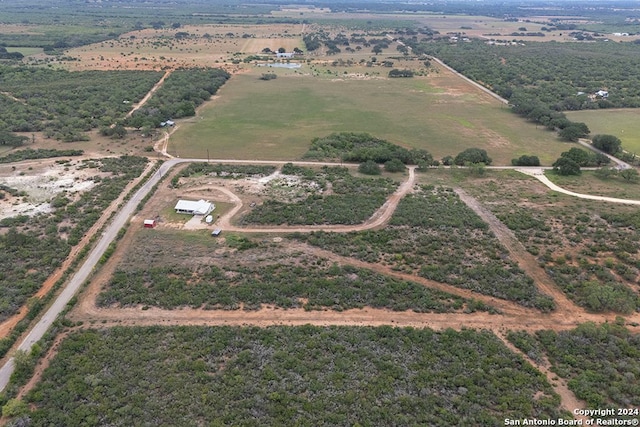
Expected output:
(33, 247)
(282, 375)
(351, 200)
(435, 235)
(600, 362)
(65, 105)
(588, 248)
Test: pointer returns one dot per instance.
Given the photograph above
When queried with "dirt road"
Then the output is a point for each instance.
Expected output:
(519, 253)
(380, 216)
(567, 316)
(149, 94)
(539, 175)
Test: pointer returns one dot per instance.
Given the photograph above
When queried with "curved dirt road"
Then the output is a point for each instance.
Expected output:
(540, 176)
(379, 217)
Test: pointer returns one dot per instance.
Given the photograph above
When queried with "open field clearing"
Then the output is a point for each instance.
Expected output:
(623, 123)
(238, 272)
(205, 45)
(278, 376)
(37, 183)
(26, 51)
(244, 271)
(277, 119)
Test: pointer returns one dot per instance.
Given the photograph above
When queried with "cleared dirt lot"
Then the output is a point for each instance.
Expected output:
(39, 181)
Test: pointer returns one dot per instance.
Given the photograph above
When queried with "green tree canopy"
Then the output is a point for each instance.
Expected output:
(630, 174)
(369, 168)
(526, 161)
(574, 131)
(607, 143)
(566, 166)
(11, 139)
(472, 155)
(394, 165)
(586, 158)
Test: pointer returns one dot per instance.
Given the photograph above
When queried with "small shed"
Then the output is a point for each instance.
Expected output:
(216, 232)
(149, 223)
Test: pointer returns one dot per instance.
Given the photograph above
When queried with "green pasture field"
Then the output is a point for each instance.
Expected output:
(276, 119)
(26, 51)
(623, 123)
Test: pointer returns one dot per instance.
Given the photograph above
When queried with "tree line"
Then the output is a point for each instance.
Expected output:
(179, 95)
(65, 105)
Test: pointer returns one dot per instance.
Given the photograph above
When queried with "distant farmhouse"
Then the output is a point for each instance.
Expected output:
(601, 94)
(285, 55)
(190, 207)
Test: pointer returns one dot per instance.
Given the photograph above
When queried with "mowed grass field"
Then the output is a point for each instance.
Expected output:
(623, 123)
(276, 119)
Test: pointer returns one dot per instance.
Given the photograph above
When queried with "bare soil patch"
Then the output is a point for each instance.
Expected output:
(39, 181)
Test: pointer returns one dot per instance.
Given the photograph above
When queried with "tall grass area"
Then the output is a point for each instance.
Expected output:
(276, 119)
(623, 123)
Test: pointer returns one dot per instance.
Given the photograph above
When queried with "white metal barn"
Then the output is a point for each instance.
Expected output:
(190, 207)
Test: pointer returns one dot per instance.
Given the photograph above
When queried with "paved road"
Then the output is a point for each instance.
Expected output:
(76, 281)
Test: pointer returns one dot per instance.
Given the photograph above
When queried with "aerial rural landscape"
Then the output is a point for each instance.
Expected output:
(356, 213)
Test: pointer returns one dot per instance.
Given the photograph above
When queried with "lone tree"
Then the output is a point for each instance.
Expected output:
(608, 143)
(630, 175)
(369, 168)
(394, 165)
(472, 155)
(574, 132)
(526, 161)
(566, 166)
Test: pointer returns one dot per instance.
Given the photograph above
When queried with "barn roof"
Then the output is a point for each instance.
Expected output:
(201, 207)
